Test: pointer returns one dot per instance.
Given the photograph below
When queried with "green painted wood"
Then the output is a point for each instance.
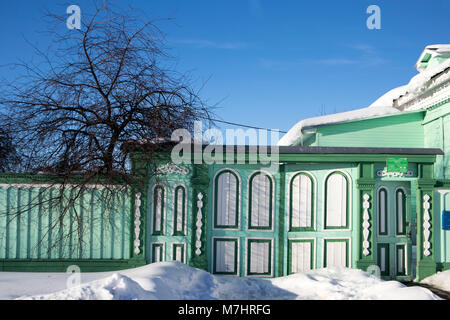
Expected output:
(32, 228)
(397, 131)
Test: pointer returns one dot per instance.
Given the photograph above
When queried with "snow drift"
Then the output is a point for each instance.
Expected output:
(176, 281)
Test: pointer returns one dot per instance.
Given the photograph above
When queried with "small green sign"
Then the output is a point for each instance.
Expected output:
(397, 165)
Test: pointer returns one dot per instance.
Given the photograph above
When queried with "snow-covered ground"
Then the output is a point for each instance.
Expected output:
(174, 281)
(440, 280)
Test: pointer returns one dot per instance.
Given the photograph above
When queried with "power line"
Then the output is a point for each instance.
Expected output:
(242, 125)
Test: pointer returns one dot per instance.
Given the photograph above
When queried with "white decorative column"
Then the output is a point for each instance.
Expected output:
(199, 224)
(366, 224)
(426, 225)
(137, 223)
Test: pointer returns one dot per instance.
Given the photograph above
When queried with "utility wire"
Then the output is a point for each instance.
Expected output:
(242, 125)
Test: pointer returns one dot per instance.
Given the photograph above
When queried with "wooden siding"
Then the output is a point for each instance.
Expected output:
(398, 131)
(34, 227)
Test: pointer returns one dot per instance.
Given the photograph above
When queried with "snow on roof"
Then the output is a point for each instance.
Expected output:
(385, 105)
(432, 50)
(440, 48)
(295, 134)
(418, 83)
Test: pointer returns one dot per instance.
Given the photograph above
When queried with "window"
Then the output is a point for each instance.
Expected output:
(383, 212)
(336, 201)
(179, 211)
(158, 210)
(225, 256)
(301, 203)
(260, 201)
(226, 200)
(400, 211)
(259, 257)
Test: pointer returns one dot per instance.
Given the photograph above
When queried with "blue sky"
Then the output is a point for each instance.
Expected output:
(271, 63)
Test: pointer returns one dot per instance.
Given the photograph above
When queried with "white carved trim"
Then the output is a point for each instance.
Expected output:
(137, 223)
(366, 224)
(432, 93)
(172, 168)
(199, 224)
(426, 225)
(443, 191)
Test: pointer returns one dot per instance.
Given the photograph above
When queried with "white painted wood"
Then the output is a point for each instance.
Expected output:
(259, 257)
(225, 256)
(137, 223)
(157, 254)
(383, 259)
(199, 224)
(179, 253)
(301, 202)
(366, 224)
(336, 201)
(400, 259)
(383, 211)
(158, 209)
(261, 196)
(426, 225)
(180, 195)
(301, 256)
(226, 199)
(399, 207)
(336, 254)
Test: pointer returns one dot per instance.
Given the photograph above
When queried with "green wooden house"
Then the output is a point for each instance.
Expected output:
(365, 189)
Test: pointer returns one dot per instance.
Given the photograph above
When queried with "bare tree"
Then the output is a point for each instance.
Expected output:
(9, 158)
(103, 85)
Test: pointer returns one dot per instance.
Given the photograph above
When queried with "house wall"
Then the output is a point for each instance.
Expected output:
(442, 202)
(397, 131)
(437, 135)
